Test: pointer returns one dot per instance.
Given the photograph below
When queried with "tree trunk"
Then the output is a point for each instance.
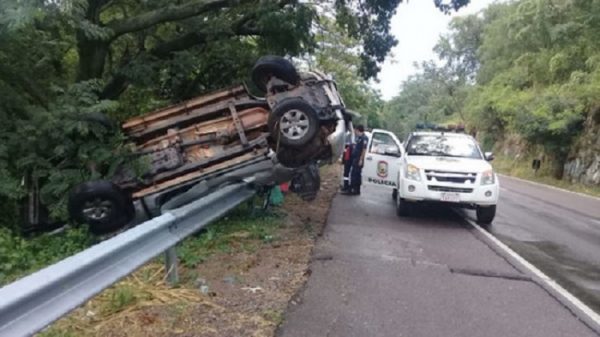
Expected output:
(92, 57)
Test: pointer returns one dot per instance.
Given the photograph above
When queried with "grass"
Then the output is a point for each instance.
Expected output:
(119, 304)
(21, 256)
(240, 230)
(275, 316)
(522, 169)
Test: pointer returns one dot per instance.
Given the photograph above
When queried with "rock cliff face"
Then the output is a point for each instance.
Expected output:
(583, 163)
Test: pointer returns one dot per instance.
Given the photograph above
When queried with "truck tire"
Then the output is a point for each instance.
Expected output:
(277, 66)
(100, 204)
(403, 208)
(485, 214)
(293, 122)
(307, 183)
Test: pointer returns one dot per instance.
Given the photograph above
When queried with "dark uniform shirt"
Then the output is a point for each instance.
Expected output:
(361, 144)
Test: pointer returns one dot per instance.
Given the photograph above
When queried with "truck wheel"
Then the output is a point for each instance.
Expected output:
(293, 122)
(395, 194)
(307, 183)
(485, 214)
(100, 204)
(277, 66)
(403, 208)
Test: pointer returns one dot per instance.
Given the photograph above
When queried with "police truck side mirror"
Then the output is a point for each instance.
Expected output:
(489, 156)
(393, 151)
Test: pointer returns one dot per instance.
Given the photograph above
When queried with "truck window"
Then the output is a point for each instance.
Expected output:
(383, 143)
(443, 146)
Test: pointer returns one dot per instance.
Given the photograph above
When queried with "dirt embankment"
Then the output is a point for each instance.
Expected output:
(242, 289)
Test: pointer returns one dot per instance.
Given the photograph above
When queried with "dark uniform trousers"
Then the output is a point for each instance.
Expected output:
(356, 169)
(355, 176)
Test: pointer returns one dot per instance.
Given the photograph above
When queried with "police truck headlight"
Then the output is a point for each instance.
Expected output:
(412, 172)
(488, 178)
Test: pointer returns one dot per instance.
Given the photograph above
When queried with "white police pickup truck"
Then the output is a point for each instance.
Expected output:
(438, 167)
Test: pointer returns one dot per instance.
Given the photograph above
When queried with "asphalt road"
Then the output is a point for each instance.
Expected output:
(557, 231)
(374, 274)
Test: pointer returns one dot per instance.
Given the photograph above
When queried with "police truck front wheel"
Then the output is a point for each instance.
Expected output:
(403, 208)
(293, 122)
(100, 204)
(485, 214)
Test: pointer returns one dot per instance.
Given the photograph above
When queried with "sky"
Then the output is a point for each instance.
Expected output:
(417, 26)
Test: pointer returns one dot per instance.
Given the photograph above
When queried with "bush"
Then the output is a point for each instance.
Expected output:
(19, 256)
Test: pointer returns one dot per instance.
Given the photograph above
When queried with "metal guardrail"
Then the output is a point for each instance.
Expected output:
(32, 303)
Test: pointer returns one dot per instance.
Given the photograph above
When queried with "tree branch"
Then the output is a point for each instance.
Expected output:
(119, 82)
(170, 13)
(199, 37)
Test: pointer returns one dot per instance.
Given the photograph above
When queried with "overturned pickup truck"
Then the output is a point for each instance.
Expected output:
(226, 136)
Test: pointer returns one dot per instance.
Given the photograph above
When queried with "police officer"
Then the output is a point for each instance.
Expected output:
(358, 159)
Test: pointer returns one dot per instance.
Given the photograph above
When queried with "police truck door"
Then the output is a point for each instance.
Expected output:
(382, 160)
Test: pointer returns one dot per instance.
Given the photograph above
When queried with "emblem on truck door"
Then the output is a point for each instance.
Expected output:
(382, 169)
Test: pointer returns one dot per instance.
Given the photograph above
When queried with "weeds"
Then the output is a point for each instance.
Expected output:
(274, 316)
(122, 297)
(132, 298)
(521, 169)
(238, 231)
(20, 256)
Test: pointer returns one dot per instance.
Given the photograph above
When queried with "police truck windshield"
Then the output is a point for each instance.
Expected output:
(443, 146)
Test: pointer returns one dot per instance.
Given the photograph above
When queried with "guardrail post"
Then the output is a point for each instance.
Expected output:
(171, 266)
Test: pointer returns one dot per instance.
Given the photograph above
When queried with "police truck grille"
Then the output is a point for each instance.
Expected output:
(450, 177)
(449, 189)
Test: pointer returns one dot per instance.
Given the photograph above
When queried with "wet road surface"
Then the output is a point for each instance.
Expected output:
(374, 274)
(557, 231)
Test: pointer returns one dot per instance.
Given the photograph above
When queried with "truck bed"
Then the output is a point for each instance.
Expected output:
(185, 141)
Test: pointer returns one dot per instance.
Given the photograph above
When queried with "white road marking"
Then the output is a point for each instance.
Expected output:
(574, 301)
(550, 187)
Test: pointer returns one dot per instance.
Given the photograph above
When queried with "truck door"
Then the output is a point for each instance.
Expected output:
(382, 160)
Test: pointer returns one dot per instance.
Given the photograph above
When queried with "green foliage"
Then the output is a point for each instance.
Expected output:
(537, 71)
(19, 256)
(338, 54)
(121, 297)
(236, 231)
(370, 22)
(521, 168)
(527, 67)
(59, 146)
(63, 60)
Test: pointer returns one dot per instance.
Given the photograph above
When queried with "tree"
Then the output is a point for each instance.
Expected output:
(339, 55)
(62, 60)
